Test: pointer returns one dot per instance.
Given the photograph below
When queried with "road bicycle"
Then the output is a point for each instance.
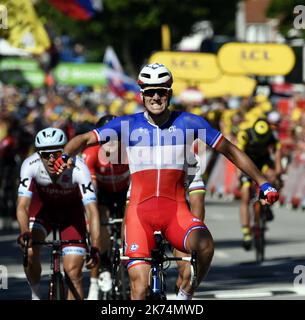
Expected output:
(120, 288)
(56, 283)
(157, 276)
(260, 214)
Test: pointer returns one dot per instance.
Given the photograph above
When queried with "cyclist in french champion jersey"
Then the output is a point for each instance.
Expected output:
(158, 144)
(45, 199)
(111, 182)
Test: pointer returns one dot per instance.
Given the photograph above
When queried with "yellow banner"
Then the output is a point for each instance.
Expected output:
(25, 30)
(256, 59)
(238, 86)
(189, 66)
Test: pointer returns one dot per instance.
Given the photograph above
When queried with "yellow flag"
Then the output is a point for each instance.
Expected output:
(25, 30)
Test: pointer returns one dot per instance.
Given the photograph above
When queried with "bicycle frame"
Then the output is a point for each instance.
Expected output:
(157, 283)
(56, 284)
(118, 282)
(258, 225)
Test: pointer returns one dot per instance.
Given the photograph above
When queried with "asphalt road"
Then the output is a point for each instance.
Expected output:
(233, 274)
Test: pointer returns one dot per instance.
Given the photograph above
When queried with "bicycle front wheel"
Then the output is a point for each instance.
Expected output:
(259, 236)
(56, 288)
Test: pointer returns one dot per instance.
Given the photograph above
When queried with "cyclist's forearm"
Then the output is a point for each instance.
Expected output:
(242, 161)
(23, 219)
(94, 224)
(79, 143)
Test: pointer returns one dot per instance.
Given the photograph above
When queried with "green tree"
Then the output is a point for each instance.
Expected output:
(133, 27)
(284, 11)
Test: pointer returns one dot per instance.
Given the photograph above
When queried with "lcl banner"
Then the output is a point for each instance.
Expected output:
(262, 59)
(189, 66)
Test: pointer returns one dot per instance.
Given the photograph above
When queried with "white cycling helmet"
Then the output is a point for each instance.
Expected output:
(155, 74)
(50, 139)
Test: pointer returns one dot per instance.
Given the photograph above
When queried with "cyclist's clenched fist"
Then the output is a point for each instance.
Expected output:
(63, 162)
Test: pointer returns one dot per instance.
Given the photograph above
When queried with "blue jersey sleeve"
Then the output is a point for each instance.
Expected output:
(203, 130)
(113, 130)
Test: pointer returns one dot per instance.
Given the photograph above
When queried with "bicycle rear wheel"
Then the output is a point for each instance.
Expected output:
(120, 289)
(120, 283)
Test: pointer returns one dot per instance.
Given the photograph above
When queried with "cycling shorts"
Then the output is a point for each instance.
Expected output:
(172, 218)
(71, 227)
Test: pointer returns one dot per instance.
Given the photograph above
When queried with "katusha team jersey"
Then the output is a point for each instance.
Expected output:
(158, 155)
(71, 188)
(109, 177)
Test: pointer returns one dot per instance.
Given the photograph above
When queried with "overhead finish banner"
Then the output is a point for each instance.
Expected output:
(87, 74)
(189, 66)
(261, 59)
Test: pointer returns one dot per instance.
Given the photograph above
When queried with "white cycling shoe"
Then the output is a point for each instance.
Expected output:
(93, 292)
(105, 281)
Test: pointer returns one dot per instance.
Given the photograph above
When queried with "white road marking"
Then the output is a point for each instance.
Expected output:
(241, 295)
(249, 293)
(221, 254)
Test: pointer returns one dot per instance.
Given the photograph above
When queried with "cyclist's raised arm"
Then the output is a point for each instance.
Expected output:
(244, 163)
(72, 148)
(241, 160)
(216, 140)
(80, 142)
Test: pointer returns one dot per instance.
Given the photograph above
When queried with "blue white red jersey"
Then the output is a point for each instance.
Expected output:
(158, 155)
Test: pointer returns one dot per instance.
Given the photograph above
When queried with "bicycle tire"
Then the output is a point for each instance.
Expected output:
(56, 287)
(120, 288)
(160, 295)
(259, 235)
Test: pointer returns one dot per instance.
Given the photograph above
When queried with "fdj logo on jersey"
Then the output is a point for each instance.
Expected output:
(3, 277)
(299, 20)
(300, 278)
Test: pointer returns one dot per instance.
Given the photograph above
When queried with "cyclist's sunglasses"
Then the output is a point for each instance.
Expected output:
(161, 92)
(48, 154)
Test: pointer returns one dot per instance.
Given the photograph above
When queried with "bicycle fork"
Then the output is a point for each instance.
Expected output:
(56, 289)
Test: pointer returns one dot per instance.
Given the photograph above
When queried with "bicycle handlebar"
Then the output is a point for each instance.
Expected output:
(57, 242)
(112, 221)
(46, 243)
(148, 259)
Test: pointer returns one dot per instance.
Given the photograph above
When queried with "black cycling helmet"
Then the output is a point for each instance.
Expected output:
(261, 131)
(104, 119)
